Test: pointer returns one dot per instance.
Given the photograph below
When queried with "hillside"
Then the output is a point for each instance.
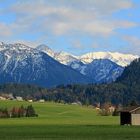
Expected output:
(102, 70)
(43, 67)
(131, 74)
(22, 64)
(99, 67)
(124, 91)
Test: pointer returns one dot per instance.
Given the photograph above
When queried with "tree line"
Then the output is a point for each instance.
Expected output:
(18, 112)
(125, 90)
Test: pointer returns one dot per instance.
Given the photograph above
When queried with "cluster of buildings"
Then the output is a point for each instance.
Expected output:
(17, 98)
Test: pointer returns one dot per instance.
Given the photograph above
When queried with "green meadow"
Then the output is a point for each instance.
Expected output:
(64, 122)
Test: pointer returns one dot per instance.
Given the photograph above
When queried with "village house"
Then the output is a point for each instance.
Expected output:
(30, 101)
(5, 96)
(97, 108)
(2, 98)
(41, 100)
(11, 97)
(18, 98)
(76, 103)
(130, 116)
(112, 109)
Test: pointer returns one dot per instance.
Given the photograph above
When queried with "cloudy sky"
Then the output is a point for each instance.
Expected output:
(75, 26)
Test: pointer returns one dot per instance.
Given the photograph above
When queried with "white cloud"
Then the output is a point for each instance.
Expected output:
(5, 31)
(63, 17)
(97, 6)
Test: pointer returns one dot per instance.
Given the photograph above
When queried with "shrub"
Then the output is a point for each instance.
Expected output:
(17, 112)
(30, 112)
(4, 113)
(104, 112)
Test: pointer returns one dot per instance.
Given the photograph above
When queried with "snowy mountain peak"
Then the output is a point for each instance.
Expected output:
(119, 58)
(65, 58)
(44, 48)
(62, 57)
(2, 46)
(15, 46)
(20, 45)
(22, 64)
(1, 43)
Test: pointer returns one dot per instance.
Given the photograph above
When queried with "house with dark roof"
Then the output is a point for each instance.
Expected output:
(130, 116)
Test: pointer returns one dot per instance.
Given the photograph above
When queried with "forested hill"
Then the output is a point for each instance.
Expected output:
(131, 74)
(24, 90)
(125, 90)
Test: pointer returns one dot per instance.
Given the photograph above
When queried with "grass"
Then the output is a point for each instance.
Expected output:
(64, 122)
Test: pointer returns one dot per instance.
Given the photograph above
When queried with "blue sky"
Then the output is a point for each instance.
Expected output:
(74, 26)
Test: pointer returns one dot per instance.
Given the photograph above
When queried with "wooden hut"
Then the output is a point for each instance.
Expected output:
(130, 116)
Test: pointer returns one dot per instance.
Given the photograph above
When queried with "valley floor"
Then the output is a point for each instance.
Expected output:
(64, 122)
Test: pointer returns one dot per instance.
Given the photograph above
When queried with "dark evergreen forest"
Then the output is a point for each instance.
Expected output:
(125, 90)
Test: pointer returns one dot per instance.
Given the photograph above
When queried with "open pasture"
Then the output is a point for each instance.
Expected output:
(64, 122)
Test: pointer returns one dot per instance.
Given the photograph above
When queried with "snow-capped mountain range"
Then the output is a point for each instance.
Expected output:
(66, 58)
(63, 57)
(22, 64)
(43, 66)
(119, 58)
(84, 62)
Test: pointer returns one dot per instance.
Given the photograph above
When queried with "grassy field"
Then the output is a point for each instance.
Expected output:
(64, 122)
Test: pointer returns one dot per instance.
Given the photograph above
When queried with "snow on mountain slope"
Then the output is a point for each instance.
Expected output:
(62, 57)
(22, 64)
(43, 66)
(66, 58)
(99, 66)
(103, 70)
(46, 50)
(78, 65)
(118, 58)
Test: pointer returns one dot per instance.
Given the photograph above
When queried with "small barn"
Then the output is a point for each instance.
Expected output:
(130, 116)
